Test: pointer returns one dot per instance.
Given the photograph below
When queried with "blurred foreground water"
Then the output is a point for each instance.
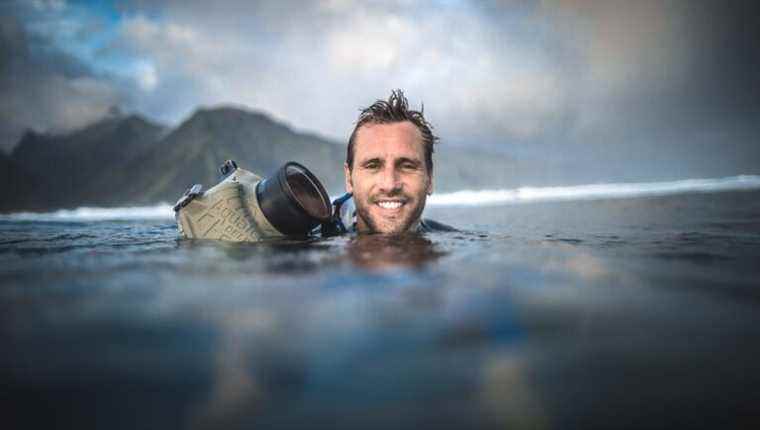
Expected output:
(640, 313)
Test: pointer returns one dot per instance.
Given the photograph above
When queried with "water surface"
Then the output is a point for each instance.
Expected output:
(638, 312)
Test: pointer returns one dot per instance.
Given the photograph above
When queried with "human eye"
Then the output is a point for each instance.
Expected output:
(373, 164)
(410, 165)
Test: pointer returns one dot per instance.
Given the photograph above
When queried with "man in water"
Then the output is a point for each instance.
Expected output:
(389, 168)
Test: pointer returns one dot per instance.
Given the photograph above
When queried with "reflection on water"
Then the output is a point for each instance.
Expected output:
(253, 368)
(377, 251)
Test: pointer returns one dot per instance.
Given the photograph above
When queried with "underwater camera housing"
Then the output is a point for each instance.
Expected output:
(245, 207)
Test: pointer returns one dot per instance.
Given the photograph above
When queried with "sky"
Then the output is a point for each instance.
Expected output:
(599, 89)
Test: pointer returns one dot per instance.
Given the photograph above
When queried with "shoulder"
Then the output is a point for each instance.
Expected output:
(428, 225)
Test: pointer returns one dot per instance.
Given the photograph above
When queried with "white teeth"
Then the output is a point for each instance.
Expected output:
(389, 205)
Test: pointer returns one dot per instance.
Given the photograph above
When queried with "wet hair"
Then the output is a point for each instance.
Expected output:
(395, 109)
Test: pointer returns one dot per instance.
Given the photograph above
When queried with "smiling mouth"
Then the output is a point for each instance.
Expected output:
(390, 204)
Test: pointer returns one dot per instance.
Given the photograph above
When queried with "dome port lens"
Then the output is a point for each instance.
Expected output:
(307, 191)
(293, 200)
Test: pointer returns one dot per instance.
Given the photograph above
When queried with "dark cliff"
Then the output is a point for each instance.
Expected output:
(128, 160)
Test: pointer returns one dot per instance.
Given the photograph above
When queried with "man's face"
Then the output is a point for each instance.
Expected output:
(389, 179)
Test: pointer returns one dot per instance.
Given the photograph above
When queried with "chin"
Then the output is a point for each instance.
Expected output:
(381, 227)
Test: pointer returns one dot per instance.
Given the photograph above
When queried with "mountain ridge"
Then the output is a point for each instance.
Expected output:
(128, 159)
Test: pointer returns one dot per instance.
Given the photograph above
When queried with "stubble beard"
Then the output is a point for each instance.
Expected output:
(399, 227)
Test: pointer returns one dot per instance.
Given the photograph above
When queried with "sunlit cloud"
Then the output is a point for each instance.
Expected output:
(146, 75)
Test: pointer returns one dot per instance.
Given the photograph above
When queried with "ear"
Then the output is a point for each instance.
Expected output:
(347, 173)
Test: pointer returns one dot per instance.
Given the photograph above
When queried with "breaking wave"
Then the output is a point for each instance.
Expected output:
(459, 198)
(158, 211)
(594, 191)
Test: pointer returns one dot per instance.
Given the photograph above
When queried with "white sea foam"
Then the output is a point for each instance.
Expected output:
(158, 211)
(594, 191)
(460, 198)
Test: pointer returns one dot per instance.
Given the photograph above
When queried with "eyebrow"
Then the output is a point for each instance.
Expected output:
(403, 160)
(413, 161)
(371, 160)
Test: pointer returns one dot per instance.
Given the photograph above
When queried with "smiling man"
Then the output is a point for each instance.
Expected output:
(389, 168)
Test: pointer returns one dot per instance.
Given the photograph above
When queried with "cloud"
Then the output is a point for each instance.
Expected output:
(315, 64)
(50, 92)
(146, 75)
(44, 5)
(594, 80)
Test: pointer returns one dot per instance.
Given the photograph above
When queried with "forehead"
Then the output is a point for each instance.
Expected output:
(398, 138)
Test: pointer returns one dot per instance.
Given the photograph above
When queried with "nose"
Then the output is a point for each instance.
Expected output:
(390, 180)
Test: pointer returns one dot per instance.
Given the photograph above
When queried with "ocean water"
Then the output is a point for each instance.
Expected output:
(576, 310)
